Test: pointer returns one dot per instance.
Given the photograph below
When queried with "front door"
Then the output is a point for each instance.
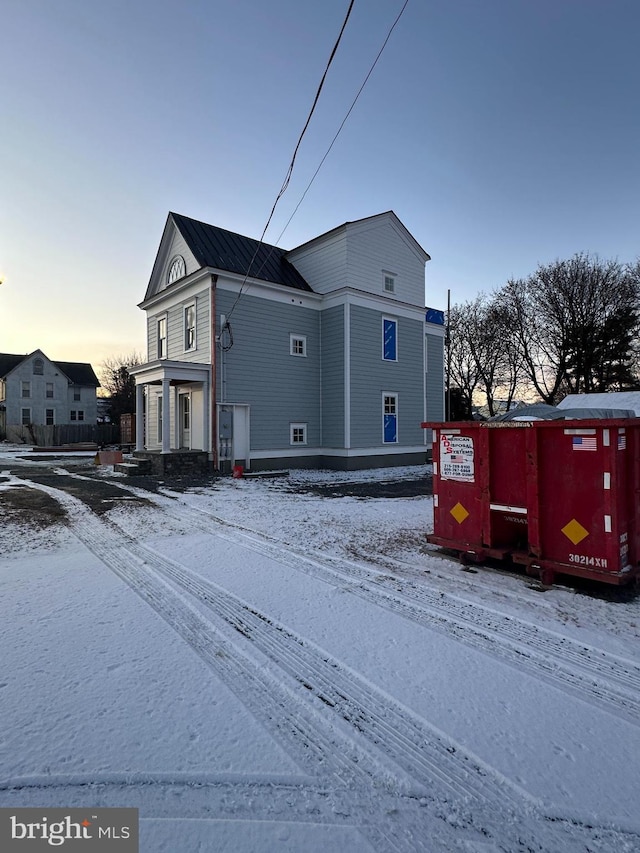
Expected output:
(185, 421)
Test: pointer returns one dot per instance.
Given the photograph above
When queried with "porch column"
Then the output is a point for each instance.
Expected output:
(139, 417)
(206, 432)
(176, 418)
(166, 415)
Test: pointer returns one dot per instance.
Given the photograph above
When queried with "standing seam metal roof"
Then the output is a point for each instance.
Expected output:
(215, 247)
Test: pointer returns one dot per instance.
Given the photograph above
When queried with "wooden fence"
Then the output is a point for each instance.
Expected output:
(54, 436)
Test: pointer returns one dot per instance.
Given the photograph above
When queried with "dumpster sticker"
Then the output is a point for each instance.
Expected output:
(582, 442)
(456, 457)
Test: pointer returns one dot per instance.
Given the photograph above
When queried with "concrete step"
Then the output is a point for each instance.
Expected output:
(132, 467)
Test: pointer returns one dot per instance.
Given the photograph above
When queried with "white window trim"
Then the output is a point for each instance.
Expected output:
(185, 308)
(393, 394)
(385, 275)
(26, 386)
(295, 426)
(390, 320)
(182, 265)
(159, 318)
(294, 337)
(24, 409)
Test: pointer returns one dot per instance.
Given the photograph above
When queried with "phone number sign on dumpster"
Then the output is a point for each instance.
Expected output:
(456, 457)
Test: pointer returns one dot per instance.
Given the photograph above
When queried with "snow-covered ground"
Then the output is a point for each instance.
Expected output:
(258, 668)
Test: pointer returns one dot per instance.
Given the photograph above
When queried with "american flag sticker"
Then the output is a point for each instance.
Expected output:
(584, 442)
(622, 441)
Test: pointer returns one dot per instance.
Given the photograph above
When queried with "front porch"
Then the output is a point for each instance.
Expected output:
(173, 414)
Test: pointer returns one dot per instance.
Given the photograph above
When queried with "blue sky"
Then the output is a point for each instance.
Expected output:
(503, 133)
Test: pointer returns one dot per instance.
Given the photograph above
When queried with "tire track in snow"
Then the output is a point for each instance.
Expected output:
(315, 742)
(592, 674)
(360, 748)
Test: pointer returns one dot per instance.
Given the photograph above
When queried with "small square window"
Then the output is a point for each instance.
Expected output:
(389, 283)
(298, 433)
(48, 417)
(298, 345)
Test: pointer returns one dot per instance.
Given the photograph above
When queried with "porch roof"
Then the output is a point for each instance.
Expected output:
(153, 372)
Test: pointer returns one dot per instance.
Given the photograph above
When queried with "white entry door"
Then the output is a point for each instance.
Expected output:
(185, 421)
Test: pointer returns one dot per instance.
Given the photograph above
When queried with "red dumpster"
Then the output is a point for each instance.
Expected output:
(555, 496)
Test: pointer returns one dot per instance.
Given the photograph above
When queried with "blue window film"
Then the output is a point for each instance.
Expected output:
(389, 347)
(390, 428)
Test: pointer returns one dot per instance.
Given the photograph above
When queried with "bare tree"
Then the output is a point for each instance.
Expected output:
(119, 384)
(575, 322)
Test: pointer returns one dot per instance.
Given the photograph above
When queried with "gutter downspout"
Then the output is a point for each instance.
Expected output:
(214, 407)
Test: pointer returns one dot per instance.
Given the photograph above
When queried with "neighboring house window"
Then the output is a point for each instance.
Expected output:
(49, 390)
(389, 282)
(177, 269)
(190, 327)
(162, 337)
(73, 414)
(160, 418)
(38, 366)
(76, 394)
(48, 417)
(390, 418)
(298, 345)
(26, 417)
(26, 389)
(297, 433)
(389, 339)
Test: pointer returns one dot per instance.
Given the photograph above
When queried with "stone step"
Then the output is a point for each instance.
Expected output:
(132, 467)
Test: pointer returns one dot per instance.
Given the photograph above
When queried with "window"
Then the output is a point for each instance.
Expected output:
(49, 390)
(190, 327)
(298, 345)
(80, 415)
(26, 389)
(162, 337)
(389, 418)
(76, 394)
(297, 433)
(26, 417)
(73, 415)
(389, 282)
(38, 366)
(177, 269)
(389, 339)
(48, 417)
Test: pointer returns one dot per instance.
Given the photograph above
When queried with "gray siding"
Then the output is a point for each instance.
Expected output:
(324, 266)
(332, 324)
(259, 370)
(175, 331)
(371, 376)
(435, 377)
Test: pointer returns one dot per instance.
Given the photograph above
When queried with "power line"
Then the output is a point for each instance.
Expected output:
(287, 179)
(328, 151)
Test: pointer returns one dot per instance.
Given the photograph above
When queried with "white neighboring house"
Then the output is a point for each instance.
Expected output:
(35, 391)
(320, 356)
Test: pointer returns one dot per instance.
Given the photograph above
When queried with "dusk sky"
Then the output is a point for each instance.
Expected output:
(503, 133)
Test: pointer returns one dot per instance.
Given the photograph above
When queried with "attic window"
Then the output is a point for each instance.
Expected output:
(38, 366)
(177, 269)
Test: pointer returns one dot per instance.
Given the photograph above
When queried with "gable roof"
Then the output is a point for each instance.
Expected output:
(387, 214)
(225, 250)
(79, 373)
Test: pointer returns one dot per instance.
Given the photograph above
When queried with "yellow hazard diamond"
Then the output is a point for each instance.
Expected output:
(574, 531)
(459, 513)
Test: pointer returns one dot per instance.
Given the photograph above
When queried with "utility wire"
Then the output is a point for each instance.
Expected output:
(285, 183)
(333, 141)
